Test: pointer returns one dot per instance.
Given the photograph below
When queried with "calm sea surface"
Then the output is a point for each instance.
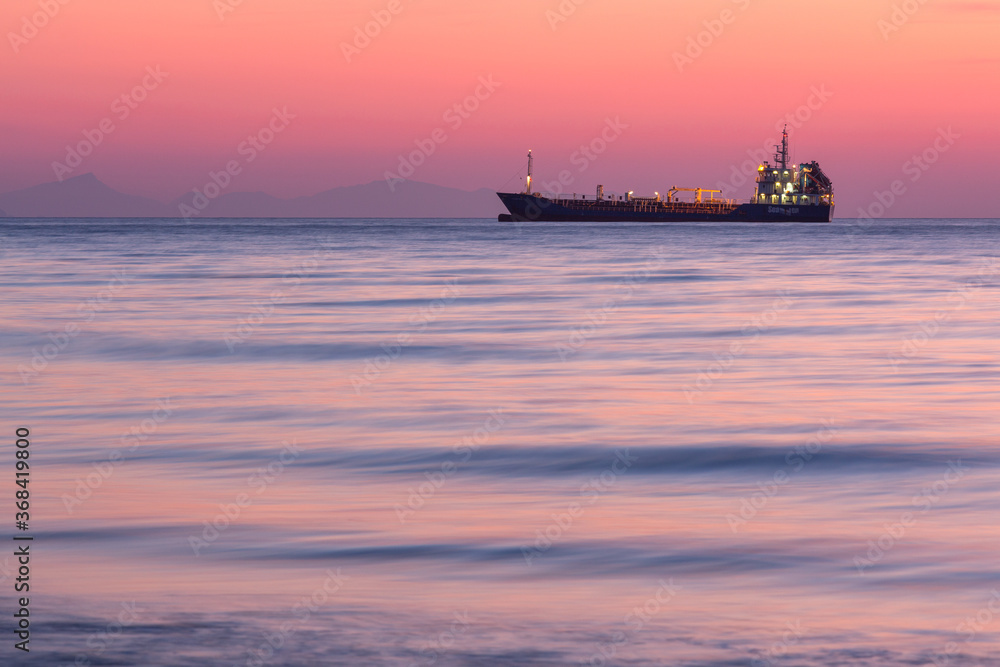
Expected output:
(460, 442)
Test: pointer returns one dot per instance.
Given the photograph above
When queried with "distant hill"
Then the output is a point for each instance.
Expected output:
(87, 197)
(408, 199)
(80, 197)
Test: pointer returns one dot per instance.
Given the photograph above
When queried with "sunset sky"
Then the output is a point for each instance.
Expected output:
(560, 75)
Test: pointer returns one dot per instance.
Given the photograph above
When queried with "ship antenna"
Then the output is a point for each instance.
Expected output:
(781, 157)
(531, 161)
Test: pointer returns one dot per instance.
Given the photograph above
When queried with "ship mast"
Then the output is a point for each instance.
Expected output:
(781, 157)
(531, 160)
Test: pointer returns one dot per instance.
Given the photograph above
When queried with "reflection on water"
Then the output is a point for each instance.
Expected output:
(463, 443)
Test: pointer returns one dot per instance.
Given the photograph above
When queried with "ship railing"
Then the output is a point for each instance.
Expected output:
(620, 199)
(567, 196)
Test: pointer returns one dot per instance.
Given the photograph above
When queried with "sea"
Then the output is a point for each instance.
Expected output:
(464, 442)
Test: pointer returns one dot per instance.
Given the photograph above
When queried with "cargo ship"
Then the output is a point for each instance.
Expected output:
(784, 193)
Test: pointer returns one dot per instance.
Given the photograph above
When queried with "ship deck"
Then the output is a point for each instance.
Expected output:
(533, 207)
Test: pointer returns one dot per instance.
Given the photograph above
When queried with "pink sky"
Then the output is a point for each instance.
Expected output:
(891, 93)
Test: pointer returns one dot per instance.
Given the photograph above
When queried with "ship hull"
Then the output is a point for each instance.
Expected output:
(532, 208)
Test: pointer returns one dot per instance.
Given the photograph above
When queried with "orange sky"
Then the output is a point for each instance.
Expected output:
(890, 92)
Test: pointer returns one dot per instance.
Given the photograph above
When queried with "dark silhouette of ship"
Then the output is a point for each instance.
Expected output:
(785, 193)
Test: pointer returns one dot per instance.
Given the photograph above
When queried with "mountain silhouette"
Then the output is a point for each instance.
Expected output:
(85, 196)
